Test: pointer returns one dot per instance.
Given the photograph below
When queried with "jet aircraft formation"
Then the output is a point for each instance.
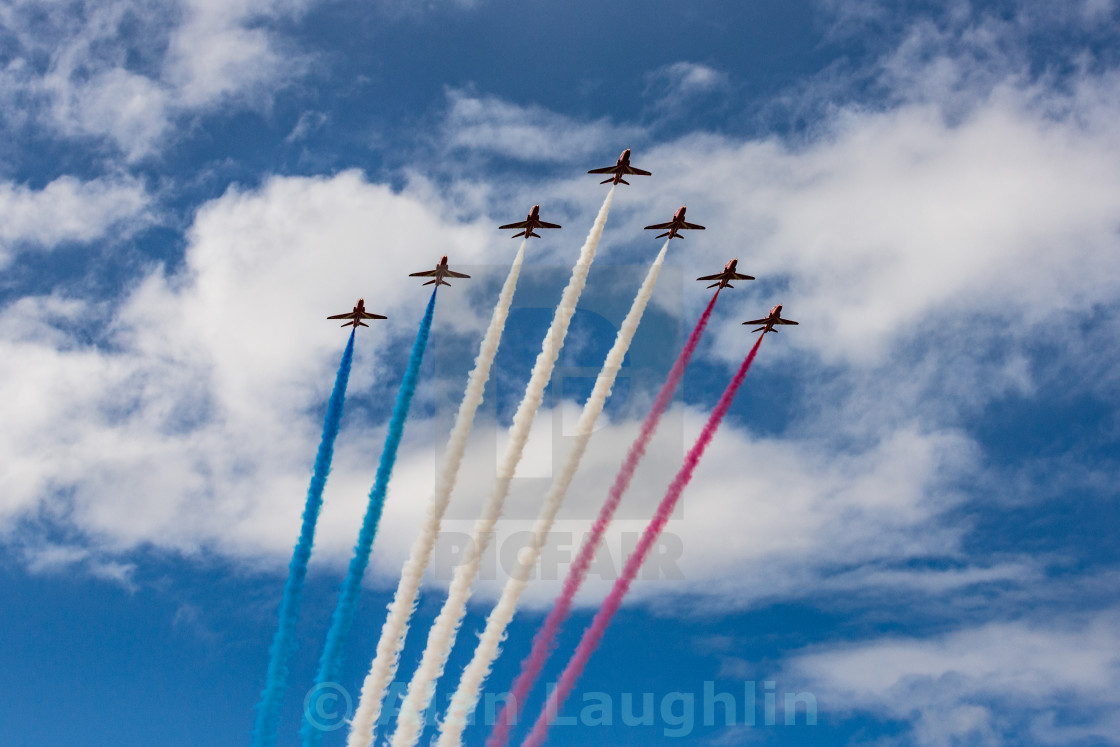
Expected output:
(527, 228)
(441, 637)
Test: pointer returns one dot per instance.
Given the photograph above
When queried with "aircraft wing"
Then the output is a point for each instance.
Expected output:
(521, 224)
(717, 276)
(453, 274)
(425, 274)
(661, 226)
(757, 321)
(347, 315)
(636, 171)
(367, 315)
(604, 170)
(694, 226)
(741, 276)
(542, 224)
(784, 321)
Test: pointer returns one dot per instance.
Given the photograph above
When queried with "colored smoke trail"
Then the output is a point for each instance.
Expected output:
(393, 632)
(470, 684)
(594, 633)
(283, 644)
(441, 636)
(577, 572)
(343, 618)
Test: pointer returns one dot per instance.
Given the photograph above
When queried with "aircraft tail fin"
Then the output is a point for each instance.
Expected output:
(607, 181)
(430, 282)
(531, 232)
(713, 285)
(758, 330)
(658, 236)
(623, 181)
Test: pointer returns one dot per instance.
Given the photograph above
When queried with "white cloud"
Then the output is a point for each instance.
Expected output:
(900, 218)
(129, 109)
(123, 71)
(198, 415)
(1055, 681)
(221, 50)
(68, 209)
(805, 511)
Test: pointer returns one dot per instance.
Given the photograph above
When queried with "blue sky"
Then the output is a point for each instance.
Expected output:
(910, 514)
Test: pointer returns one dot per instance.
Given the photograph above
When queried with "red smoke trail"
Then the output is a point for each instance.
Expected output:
(594, 634)
(544, 640)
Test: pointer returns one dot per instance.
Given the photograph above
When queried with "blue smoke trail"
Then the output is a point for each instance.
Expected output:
(331, 661)
(283, 644)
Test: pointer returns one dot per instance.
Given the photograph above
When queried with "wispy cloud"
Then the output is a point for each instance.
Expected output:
(496, 127)
(684, 80)
(69, 210)
(1055, 680)
(682, 87)
(123, 71)
(50, 558)
(308, 123)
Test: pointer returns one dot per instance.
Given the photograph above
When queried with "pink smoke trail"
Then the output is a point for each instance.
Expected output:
(594, 634)
(544, 640)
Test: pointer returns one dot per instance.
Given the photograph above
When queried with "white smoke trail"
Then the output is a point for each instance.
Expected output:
(466, 696)
(393, 632)
(441, 637)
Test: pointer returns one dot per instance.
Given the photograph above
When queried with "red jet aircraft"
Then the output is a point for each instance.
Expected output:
(620, 169)
(442, 271)
(675, 225)
(774, 317)
(357, 315)
(723, 279)
(532, 220)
